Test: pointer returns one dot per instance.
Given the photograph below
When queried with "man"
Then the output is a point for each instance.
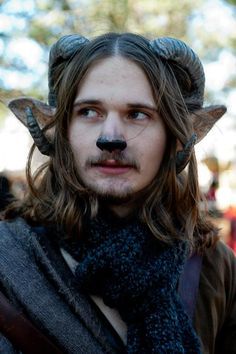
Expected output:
(105, 252)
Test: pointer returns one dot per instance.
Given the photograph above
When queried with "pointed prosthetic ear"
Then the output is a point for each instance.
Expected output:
(42, 112)
(203, 121)
(205, 118)
(36, 116)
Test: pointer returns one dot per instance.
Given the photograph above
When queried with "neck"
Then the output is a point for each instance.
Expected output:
(123, 208)
(122, 211)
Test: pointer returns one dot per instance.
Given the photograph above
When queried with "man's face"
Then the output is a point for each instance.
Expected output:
(115, 100)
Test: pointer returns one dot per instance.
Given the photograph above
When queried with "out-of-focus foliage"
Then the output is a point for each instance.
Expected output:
(33, 25)
(233, 2)
(48, 19)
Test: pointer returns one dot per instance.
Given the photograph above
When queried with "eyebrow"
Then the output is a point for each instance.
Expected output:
(142, 105)
(80, 102)
(136, 105)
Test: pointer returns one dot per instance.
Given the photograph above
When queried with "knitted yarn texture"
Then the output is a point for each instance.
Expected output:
(138, 275)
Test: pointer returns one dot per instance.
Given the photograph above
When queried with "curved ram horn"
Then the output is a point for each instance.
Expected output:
(42, 143)
(183, 156)
(61, 51)
(38, 117)
(178, 52)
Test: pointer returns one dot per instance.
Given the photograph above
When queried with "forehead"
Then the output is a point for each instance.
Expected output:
(118, 78)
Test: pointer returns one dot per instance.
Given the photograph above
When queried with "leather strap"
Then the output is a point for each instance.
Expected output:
(189, 283)
(21, 332)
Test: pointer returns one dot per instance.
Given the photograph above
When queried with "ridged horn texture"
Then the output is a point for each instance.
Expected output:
(172, 49)
(61, 51)
(44, 146)
(183, 156)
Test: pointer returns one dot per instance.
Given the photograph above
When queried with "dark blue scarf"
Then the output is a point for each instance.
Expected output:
(138, 275)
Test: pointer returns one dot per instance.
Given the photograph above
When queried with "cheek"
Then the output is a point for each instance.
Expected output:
(76, 146)
(81, 137)
(76, 135)
(151, 156)
(83, 146)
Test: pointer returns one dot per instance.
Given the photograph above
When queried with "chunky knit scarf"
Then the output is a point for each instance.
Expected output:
(138, 275)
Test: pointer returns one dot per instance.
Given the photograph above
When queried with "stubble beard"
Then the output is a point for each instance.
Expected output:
(113, 192)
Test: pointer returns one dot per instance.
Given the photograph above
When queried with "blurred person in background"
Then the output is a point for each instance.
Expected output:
(110, 252)
(6, 196)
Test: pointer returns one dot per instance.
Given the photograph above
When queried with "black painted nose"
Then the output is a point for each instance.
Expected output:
(111, 145)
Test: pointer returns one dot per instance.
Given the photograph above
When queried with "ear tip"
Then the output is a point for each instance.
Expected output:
(215, 111)
(11, 104)
(15, 103)
(20, 99)
(221, 109)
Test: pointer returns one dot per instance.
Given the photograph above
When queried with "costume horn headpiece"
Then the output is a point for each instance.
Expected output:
(61, 51)
(174, 50)
(37, 115)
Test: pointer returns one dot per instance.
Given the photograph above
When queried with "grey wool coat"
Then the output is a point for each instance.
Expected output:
(37, 280)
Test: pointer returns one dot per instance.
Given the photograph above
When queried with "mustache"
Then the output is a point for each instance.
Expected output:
(118, 156)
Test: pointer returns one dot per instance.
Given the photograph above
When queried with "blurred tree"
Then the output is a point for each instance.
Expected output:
(232, 2)
(41, 22)
(29, 27)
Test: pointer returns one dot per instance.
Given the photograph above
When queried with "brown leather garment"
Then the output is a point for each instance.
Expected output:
(215, 313)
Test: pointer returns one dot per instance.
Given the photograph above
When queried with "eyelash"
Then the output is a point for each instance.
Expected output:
(83, 112)
(138, 112)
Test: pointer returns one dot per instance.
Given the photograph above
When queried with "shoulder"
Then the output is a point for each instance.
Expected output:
(218, 280)
(11, 227)
(12, 223)
(219, 269)
(15, 234)
(219, 259)
(220, 249)
(216, 306)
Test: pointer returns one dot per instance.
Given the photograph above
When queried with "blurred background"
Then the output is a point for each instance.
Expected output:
(28, 28)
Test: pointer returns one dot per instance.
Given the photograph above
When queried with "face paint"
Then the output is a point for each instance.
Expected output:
(104, 143)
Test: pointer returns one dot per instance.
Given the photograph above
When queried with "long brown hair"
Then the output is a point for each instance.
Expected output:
(171, 208)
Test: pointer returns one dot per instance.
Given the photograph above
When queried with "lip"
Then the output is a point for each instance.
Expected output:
(112, 167)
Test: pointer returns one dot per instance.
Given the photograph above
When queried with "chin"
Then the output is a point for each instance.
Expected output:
(117, 196)
(113, 195)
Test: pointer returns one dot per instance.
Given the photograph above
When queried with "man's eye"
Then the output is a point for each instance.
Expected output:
(87, 113)
(137, 115)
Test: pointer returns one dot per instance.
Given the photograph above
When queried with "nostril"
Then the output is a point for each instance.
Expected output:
(111, 145)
